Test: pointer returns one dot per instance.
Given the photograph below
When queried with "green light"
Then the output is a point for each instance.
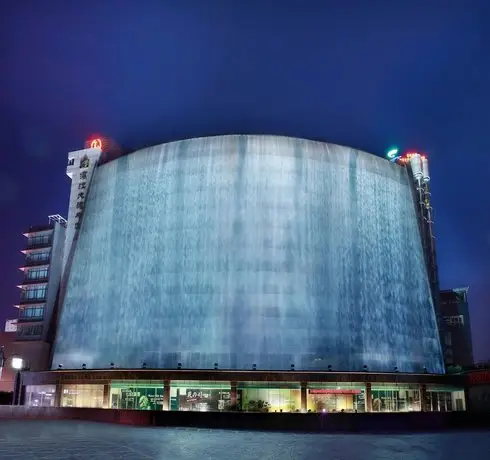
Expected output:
(392, 153)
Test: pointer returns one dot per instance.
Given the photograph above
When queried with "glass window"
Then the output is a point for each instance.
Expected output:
(82, 396)
(37, 273)
(200, 396)
(36, 311)
(38, 256)
(335, 397)
(269, 397)
(40, 395)
(30, 331)
(457, 320)
(33, 293)
(395, 398)
(138, 394)
(38, 240)
(442, 398)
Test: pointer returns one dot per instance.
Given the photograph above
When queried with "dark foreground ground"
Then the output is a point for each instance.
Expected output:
(55, 440)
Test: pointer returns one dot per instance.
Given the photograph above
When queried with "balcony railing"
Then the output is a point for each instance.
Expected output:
(30, 319)
(29, 300)
(35, 262)
(41, 243)
(40, 280)
(38, 228)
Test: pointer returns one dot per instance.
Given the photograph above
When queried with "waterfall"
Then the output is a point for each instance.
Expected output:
(247, 250)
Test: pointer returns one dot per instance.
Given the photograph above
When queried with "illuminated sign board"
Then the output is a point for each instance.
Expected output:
(11, 325)
(334, 391)
(392, 153)
(479, 377)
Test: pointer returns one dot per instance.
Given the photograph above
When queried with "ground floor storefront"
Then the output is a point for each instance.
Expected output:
(204, 391)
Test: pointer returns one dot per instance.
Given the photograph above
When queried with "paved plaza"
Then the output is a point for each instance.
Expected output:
(71, 440)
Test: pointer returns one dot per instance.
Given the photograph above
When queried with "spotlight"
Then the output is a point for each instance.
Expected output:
(112, 365)
(254, 367)
(84, 366)
(215, 366)
(179, 365)
(60, 366)
(143, 365)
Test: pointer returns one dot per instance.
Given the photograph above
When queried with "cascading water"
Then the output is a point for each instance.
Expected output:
(243, 250)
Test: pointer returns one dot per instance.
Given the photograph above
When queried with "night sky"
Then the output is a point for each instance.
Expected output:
(368, 74)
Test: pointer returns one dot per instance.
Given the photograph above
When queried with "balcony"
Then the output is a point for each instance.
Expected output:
(30, 319)
(30, 281)
(38, 229)
(29, 332)
(36, 262)
(39, 243)
(31, 300)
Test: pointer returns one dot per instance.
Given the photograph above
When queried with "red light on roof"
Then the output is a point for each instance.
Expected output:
(406, 157)
(96, 144)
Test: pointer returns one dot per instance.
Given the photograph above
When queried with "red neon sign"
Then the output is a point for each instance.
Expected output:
(333, 391)
(96, 144)
(479, 377)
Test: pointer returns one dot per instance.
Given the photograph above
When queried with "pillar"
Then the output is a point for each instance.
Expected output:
(423, 398)
(368, 398)
(106, 402)
(57, 395)
(304, 397)
(166, 395)
(233, 394)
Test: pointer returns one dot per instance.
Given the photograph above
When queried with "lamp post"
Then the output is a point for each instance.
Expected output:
(18, 365)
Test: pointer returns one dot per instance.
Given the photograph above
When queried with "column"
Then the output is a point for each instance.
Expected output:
(423, 399)
(368, 398)
(57, 395)
(107, 396)
(233, 394)
(304, 397)
(166, 395)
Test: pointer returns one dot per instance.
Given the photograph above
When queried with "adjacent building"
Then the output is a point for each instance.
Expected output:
(7, 349)
(457, 342)
(39, 288)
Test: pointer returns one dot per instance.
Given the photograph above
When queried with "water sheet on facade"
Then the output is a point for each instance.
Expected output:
(243, 250)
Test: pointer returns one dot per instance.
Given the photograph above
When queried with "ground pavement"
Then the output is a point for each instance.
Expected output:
(72, 440)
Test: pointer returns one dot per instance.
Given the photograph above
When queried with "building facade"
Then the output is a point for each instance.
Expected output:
(251, 273)
(242, 251)
(250, 391)
(457, 342)
(479, 388)
(42, 270)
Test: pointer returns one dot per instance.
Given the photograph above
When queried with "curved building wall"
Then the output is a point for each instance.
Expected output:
(243, 250)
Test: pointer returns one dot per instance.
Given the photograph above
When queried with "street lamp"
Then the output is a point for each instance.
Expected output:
(18, 365)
